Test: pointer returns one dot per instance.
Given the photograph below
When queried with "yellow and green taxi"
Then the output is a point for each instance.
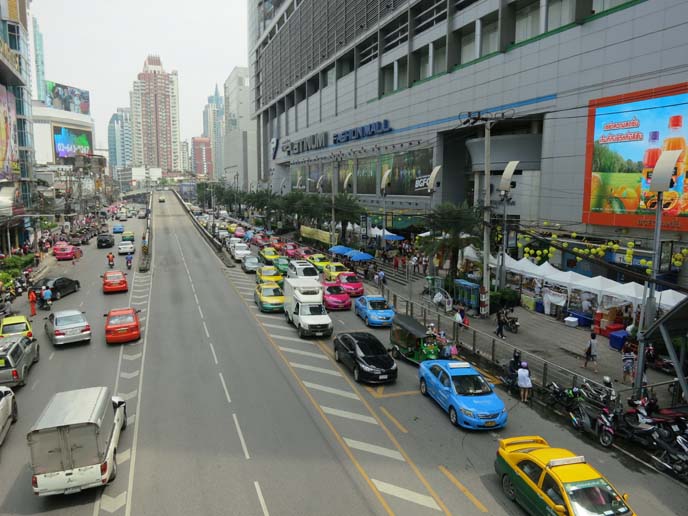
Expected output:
(16, 325)
(128, 236)
(319, 261)
(232, 228)
(282, 264)
(334, 269)
(553, 481)
(269, 274)
(269, 297)
(268, 254)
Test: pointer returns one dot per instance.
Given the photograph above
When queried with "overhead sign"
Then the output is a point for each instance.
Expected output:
(362, 132)
(307, 144)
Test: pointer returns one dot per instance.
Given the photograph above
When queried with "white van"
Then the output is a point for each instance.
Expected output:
(302, 269)
(73, 444)
(304, 308)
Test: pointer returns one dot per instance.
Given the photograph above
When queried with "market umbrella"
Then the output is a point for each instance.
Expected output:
(359, 256)
(394, 237)
(340, 249)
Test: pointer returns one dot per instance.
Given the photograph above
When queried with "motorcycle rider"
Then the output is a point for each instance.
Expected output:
(130, 259)
(111, 259)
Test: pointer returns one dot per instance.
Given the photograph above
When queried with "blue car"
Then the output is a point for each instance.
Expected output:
(374, 310)
(118, 228)
(462, 392)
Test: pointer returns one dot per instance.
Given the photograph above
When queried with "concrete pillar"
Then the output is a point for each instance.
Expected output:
(543, 15)
(478, 38)
(431, 61)
(395, 85)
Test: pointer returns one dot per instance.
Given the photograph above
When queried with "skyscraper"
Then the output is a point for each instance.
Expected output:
(214, 129)
(39, 62)
(155, 117)
(202, 156)
(186, 158)
(240, 158)
(119, 140)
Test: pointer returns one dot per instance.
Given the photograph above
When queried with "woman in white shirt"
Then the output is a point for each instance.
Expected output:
(524, 382)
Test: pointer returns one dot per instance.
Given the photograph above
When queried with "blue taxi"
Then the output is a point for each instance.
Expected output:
(374, 310)
(118, 228)
(463, 393)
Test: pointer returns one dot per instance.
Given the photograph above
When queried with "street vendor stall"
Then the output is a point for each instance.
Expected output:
(586, 296)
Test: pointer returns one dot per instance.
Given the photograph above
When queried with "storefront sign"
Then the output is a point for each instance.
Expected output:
(11, 57)
(360, 133)
(422, 182)
(310, 143)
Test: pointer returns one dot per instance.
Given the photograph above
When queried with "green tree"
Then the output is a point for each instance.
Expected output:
(346, 209)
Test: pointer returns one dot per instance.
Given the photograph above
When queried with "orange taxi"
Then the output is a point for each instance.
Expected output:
(122, 325)
(114, 281)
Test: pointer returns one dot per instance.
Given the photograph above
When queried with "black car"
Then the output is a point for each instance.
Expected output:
(106, 240)
(365, 355)
(60, 286)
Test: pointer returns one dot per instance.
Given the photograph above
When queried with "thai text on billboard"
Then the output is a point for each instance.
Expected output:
(67, 98)
(626, 136)
(70, 141)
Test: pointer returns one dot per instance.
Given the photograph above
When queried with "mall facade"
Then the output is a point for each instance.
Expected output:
(578, 92)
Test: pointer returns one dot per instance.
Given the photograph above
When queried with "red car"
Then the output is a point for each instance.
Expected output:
(239, 232)
(64, 252)
(335, 297)
(289, 249)
(122, 325)
(259, 240)
(351, 283)
(114, 281)
(303, 252)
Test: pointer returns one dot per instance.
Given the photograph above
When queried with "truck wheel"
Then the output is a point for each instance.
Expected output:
(300, 332)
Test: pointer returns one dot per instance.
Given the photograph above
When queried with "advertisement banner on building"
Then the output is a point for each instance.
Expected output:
(67, 98)
(315, 234)
(410, 172)
(69, 141)
(626, 136)
(298, 177)
(9, 151)
(366, 176)
(346, 169)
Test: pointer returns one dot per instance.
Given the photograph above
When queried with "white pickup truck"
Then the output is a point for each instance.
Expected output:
(304, 308)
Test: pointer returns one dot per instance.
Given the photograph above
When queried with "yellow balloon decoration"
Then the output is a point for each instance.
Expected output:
(684, 252)
(545, 223)
(648, 271)
(643, 262)
(564, 244)
(539, 253)
(628, 259)
(578, 258)
(630, 245)
(586, 251)
(554, 237)
(649, 263)
(615, 247)
(519, 245)
(574, 235)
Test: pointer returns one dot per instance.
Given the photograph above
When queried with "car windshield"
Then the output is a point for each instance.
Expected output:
(67, 320)
(309, 271)
(14, 328)
(339, 267)
(335, 290)
(471, 385)
(595, 498)
(114, 277)
(251, 260)
(121, 319)
(349, 279)
(282, 261)
(318, 258)
(272, 292)
(313, 310)
(270, 271)
(269, 250)
(379, 304)
(240, 247)
(370, 347)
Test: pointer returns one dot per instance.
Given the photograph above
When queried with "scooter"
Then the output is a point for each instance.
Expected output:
(568, 399)
(129, 262)
(512, 323)
(625, 427)
(672, 455)
(111, 264)
(593, 421)
(599, 395)
(646, 410)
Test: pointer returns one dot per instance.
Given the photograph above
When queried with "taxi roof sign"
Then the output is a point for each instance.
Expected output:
(579, 459)
(459, 365)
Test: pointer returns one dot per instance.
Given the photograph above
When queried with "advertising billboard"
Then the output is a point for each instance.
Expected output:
(410, 172)
(69, 142)
(366, 176)
(9, 149)
(67, 98)
(626, 136)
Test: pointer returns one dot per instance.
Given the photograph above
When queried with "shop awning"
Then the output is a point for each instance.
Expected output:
(568, 279)
(6, 200)
(547, 269)
(668, 299)
(598, 285)
(526, 268)
(632, 292)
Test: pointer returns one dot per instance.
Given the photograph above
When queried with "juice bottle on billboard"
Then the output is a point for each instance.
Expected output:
(676, 141)
(650, 158)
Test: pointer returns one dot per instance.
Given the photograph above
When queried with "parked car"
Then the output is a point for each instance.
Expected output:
(332, 270)
(269, 274)
(15, 325)
(8, 411)
(250, 264)
(374, 310)
(335, 297)
(351, 283)
(463, 393)
(365, 356)
(66, 327)
(269, 297)
(61, 286)
(239, 250)
(319, 261)
(17, 354)
(105, 240)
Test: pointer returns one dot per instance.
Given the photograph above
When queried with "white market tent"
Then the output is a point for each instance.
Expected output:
(568, 279)
(547, 269)
(376, 232)
(472, 254)
(632, 292)
(667, 299)
(526, 268)
(598, 285)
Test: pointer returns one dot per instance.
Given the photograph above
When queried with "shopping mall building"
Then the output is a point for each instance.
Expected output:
(584, 94)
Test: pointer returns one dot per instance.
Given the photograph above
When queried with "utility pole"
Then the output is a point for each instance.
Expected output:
(487, 221)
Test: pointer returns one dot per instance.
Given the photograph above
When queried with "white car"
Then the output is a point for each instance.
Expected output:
(8, 411)
(239, 251)
(126, 248)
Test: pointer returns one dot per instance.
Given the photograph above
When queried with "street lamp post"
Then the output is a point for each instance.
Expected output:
(505, 186)
(384, 184)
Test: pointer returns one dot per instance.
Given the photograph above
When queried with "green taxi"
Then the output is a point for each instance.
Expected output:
(282, 264)
(269, 297)
(549, 481)
(128, 236)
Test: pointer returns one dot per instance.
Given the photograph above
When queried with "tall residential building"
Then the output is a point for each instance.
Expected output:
(240, 149)
(202, 156)
(39, 60)
(214, 129)
(155, 117)
(119, 140)
(186, 158)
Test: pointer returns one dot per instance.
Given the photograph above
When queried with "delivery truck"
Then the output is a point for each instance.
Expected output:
(304, 307)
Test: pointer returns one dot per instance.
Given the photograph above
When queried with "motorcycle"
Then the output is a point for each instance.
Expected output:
(111, 264)
(672, 455)
(599, 423)
(646, 410)
(625, 427)
(568, 399)
(599, 395)
(129, 262)
(512, 323)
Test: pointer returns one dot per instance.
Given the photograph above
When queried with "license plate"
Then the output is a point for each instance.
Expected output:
(73, 332)
(73, 490)
(383, 377)
(490, 423)
(319, 334)
(122, 330)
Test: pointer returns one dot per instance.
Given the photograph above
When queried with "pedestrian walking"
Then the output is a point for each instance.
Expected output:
(395, 263)
(524, 382)
(414, 262)
(501, 321)
(591, 352)
(628, 361)
(425, 265)
(32, 302)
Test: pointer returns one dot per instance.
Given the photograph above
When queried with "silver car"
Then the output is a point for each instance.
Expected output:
(66, 327)
(17, 355)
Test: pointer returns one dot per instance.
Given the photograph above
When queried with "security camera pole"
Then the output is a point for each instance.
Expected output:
(505, 191)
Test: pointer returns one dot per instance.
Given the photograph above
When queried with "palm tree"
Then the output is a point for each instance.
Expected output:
(453, 228)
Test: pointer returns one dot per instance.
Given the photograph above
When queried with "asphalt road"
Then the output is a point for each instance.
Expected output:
(231, 413)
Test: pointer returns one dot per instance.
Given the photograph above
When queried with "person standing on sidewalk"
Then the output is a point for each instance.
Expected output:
(591, 352)
(32, 302)
(524, 382)
(501, 321)
(628, 362)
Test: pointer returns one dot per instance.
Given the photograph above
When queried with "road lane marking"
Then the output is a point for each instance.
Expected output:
(406, 494)
(200, 311)
(241, 437)
(123, 456)
(128, 376)
(33, 385)
(331, 390)
(196, 299)
(139, 297)
(51, 356)
(348, 415)
(266, 316)
(129, 395)
(377, 394)
(374, 449)
(303, 353)
(135, 356)
(113, 503)
(276, 326)
(261, 500)
(341, 322)
(286, 337)
(315, 369)
(394, 420)
(463, 489)
(131, 420)
(212, 350)
(224, 387)
(205, 328)
(246, 289)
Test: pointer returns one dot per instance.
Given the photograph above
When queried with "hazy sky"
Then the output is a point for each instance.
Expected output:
(100, 46)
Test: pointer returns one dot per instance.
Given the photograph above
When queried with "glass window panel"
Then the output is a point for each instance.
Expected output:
(489, 38)
(366, 176)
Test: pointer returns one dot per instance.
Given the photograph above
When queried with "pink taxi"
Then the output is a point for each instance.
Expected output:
(351, 283)
(335, 297)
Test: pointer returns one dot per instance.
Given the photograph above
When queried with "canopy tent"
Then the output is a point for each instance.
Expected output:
(377, 232)
(359, 256)
(472, 254)
(340, 249)
(668, 299)
(526, 268)
(394, 237)
(547, 268)
(568, 279)
(598, 285)
(632, 292)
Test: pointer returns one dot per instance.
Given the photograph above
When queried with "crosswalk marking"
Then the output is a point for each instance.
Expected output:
(291, 339)
(303, 353)
(331, 390)
(322, 370)
(406, 494)
(277, 326)
(373, 448)
(348, 415)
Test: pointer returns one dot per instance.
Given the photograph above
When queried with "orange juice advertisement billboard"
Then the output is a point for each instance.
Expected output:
(626, 136)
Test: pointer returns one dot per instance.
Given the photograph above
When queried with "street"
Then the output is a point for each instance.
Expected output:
(231, 413)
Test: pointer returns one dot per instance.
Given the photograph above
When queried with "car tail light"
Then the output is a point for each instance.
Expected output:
(34, 481)
(103, 468)
(59, 333)
(86, 328)
(29, 334)
(15, 374)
